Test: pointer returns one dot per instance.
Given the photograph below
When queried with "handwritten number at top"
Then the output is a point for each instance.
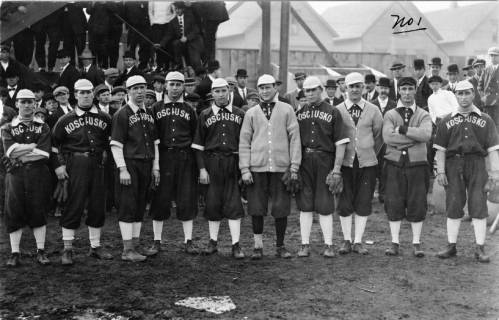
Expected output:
(401, 23)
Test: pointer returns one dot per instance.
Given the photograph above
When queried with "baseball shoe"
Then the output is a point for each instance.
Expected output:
(132, 256)
(328, 251)
(393, 250)
(283, 253)
(359, 248)
(480, 254)
(304, 251)
(211, 248)
(149, 252)
(346, 247)
(67, 257)
(418, 252)
(99, 253)
(41, 257)
(13, 260)
(189, 247)
(449, 252)
(237, 253)
(257, 254)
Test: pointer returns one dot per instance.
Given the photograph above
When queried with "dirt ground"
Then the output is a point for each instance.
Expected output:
(345, 287)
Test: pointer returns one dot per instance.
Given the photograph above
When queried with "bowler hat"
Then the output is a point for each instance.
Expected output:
(369, 78)
(435, 79)
(384, 82)
(331, 83)
(190, 81)
(452, 68)
(418, 64)
(86, 54)
(241, 73)
(397, 66)
(436, 61)
(213, 65)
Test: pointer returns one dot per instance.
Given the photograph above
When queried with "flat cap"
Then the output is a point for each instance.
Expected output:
(114, 99)
(300, 75)
(158, 78)
(83, 84)
(190, 81)
(150, 93)
(312, 83)
(354, 77)
(407, 81)
(61, 89)
(101, 88)
(118, 89)
(231, 80)
(219, 82)
(265, 79)
(252, 95)
(397, 65)
(192, 97)
(493, 51)
(25, 94)
(111, 72)
(175, 76)
(478, 62)
(435, 79)
(135, 80)
(464, 85)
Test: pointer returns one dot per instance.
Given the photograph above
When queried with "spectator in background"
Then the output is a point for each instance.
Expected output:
(423, 90)
(370, 83)
(398, 70)
(110, 76)
(478, 66)
(453, 74)
(13, 86)
(74, 28)
(190, 85)
(7, 64)
(204, 86)
(160, 15)
(61, 94)
(292, 96)
(488, 86)
(129, 68)
(241, 90)
(69, 74)
(47, 27)
(120, 93)
(137, 15)
(158, 86)
(90, 70)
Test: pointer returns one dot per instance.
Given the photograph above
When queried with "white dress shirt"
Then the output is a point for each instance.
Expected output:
(382, 103)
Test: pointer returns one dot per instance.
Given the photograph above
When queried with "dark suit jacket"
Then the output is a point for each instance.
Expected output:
(391, 104)
(477, 100)
(191, 30)
(13, 65)
(237, 98)
(73, 18)
(11, 102)
(488, 86)
(102, 17)
(137, 14)
(364, 96)
(68, 78)
(336, 101)
(423, 92)
(391, 94)
(94, 75)
(214, 11)
(52, 118)
(204, 87)
(283, 99)
(121, 80)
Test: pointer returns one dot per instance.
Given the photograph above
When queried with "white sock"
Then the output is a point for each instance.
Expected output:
(346, 227)
(395, 230)
(136, 226)
(416, 231)
(480, 227)
(258, 241)
(187, 226)
(126, 229)
(157, 227)
(15, 240)
(453, 229)
(235, 229)
(326, 223)
(39, 234)
(306, 220)
(94, 237)
(68, 234)
(213, 226)
(360, 227)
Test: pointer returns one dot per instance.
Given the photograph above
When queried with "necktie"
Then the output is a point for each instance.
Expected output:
(244, 94)
(407, 115)
(355, 112)
(267, 109)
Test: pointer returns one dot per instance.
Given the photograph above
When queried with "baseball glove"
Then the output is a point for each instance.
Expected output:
(61, 191)
(335, 182)
(292, 181)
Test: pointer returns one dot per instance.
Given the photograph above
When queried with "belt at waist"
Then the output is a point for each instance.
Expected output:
(176, 149)
(465, 155)
(219, 153)
(313, 150)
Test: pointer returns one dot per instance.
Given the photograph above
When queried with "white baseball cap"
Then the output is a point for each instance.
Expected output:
(135, 80)
(265, 79)
(353, 78)
(219, 82)
(83, 84)
(25, 94)
(175, 76)
(312, 83)
(464, 85)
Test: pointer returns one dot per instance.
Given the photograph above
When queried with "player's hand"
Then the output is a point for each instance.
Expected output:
(442, 179)
(125, 178)
(204, 177)
(61, 173)
(155, 176)
(247, 178)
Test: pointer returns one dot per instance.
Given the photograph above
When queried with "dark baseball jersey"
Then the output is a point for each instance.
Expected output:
(82, 131)
(176, 123)
(18, 132)
(135, 132)
(321, 127)
(474, 133)
(218, 129)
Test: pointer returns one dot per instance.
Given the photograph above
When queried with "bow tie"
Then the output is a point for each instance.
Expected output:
(12, 89)
(268, 104)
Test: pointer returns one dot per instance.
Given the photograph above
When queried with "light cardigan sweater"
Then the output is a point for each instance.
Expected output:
(270, 145)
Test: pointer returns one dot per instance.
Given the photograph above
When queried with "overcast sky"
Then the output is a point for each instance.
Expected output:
(424, 6)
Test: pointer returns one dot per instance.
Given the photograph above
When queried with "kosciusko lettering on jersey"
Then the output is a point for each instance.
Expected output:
(315, 114)
(223, 117)
(140, 116)
(88, 120)
(173, 112)
(20, 130)
(470, 118)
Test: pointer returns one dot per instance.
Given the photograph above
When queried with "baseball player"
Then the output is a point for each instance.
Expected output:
(26, 141)
(406, 130)
(323, 147)
(176, 123)
(363, 125)
(217, 142)
(80, 139)
(134, 145)
(269, 145)
(464, 138)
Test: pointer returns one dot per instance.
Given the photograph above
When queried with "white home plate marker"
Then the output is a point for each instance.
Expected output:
(214, 304)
